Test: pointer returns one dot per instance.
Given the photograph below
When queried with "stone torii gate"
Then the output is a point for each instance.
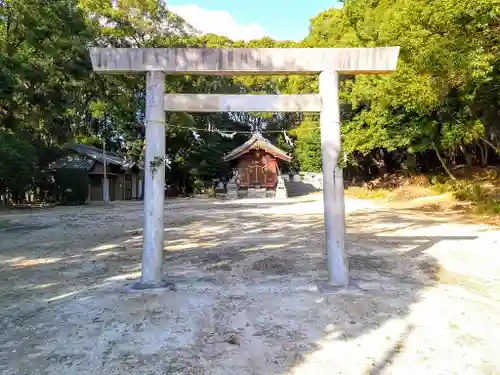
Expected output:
(328, 62)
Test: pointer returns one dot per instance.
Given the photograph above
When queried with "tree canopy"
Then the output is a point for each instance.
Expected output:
(441, 106)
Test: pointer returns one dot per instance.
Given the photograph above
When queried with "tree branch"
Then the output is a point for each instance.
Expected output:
(448, 172)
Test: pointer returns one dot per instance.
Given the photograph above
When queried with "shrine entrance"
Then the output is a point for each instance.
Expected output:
(260, 171)
(256, 165)
(254, 174)
(328, 62)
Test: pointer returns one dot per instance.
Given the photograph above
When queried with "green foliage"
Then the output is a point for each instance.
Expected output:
(308, 146)
(17, 163)
(440, 107)
(72, 185)
(196, 160)
(444, 94)
(44, 67)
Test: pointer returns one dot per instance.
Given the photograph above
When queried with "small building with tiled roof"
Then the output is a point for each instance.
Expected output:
(125, 177)
(256, 164)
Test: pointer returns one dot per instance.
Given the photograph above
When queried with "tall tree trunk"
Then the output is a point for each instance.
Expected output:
(497, 149)
(448, 172)
(378, 160)
(484, 154)
(467, 155)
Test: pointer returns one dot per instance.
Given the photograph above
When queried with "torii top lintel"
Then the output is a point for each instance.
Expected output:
(232, 61)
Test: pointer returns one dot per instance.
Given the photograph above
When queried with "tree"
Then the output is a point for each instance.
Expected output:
(308, 145)
(447, 53)
(45, 67)
(17, 165)
(440, 107)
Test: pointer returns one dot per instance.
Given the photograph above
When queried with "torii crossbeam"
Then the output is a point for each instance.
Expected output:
(328, 62)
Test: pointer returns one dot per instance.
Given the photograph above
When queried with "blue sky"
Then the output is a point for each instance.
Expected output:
(279, 19)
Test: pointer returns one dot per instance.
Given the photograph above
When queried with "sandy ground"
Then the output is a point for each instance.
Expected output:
(428, 300)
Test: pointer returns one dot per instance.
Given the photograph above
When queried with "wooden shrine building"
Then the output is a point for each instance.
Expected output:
(256, 166)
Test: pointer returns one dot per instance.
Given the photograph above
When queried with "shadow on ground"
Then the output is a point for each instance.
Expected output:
(300, 188)
(241, 276)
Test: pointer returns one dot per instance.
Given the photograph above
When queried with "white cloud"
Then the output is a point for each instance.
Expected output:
(217, 22)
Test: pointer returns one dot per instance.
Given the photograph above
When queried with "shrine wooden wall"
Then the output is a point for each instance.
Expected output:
(258, 169)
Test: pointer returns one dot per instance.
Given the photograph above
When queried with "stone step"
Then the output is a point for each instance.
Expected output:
(257, 193)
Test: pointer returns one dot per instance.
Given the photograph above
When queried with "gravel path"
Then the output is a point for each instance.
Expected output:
(246, 300)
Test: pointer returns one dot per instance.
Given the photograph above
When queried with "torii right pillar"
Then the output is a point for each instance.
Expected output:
(333, 183)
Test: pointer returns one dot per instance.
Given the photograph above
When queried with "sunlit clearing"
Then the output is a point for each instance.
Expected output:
(12, 260)
(265, 247)
(131, 269)
(108, 246)
(174, 229)
(133, 240)
(106, 253)
(254, 230)
(373, 345)
(189, 245)
(129, 231)
(125, 276)
(302, 208)
(61, 296)
(35, 262)
(43, 286)
(213, 230)
(220, 263)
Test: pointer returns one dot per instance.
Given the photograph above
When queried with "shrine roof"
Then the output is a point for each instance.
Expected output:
(257, 142)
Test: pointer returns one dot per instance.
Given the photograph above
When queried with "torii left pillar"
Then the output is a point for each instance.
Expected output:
(154, 189)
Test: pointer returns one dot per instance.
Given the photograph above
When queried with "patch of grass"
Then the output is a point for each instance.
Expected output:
(365, 193)
(394, 187)
(402, 193)
(476, 193)
(482, 190)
